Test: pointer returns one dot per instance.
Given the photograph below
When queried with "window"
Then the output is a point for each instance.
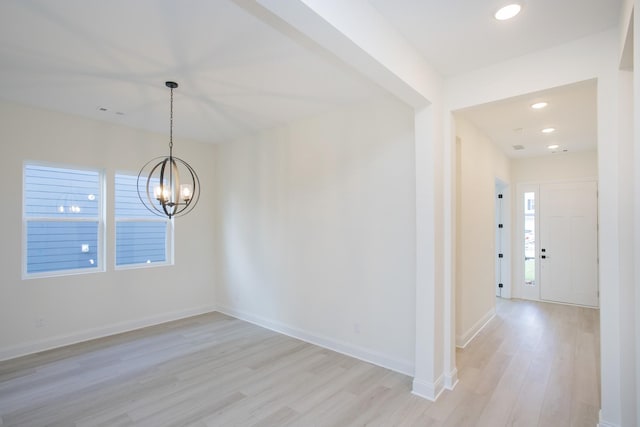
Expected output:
(529, 239)
(62, 216)
(142, 238)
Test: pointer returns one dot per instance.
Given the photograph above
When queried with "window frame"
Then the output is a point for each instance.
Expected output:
(101, 219)
(153, 218)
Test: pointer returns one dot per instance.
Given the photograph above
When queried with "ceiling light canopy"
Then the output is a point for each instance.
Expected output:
(539, 105)
(508, 12)
(548, 130)
(168, 186)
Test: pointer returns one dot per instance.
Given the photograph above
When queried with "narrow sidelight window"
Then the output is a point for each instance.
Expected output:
(530, 238)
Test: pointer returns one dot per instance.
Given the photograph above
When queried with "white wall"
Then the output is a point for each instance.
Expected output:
(356, 33)
(627, 292)
(629, 203)
(84, 306)
(317, 228)
(480, 163)
(555, 167)
(635, 132)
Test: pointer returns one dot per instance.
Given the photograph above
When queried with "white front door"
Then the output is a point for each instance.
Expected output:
(567, 251)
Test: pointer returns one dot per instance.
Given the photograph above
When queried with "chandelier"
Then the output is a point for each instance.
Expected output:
(168, 186)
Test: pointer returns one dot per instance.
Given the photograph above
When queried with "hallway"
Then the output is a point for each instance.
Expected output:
(534, 364)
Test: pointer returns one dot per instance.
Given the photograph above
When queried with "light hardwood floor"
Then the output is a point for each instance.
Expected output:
(534, 365)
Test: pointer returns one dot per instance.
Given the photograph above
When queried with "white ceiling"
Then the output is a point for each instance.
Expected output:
(236, 74)
(457, 36)
(571, 111)
(239, 74)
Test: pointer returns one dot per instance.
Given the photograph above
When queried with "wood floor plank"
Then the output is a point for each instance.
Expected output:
(528, 403)
(500, 405)
(534, 364)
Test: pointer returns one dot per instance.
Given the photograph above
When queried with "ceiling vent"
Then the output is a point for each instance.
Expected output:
(518, 147)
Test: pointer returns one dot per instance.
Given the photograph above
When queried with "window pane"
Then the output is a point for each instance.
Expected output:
(141, 236)
(62, 217)
(529, 239)
(128, 203)
(61, 193)
(140, 242)
(61, 245)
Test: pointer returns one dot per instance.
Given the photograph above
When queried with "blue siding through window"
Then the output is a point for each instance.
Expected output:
(128, 204)
(62, 213)
(140, 242)
(61, 245)
(61, 193)
(141, 236)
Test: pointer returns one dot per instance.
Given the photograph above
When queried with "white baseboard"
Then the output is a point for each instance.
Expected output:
(401, 366)
(602, 423)
(90, 334)
(428, 390)
(463, 340)
(451, 379)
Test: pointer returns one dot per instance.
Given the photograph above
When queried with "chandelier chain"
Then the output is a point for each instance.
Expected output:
(171, 125)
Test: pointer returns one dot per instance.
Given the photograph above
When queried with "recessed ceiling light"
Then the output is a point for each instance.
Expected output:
(548, 130)
(508, 12)
(539, 105)
(553, 146)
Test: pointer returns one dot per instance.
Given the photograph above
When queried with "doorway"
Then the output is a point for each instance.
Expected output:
(503, 239)
(557, 231)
